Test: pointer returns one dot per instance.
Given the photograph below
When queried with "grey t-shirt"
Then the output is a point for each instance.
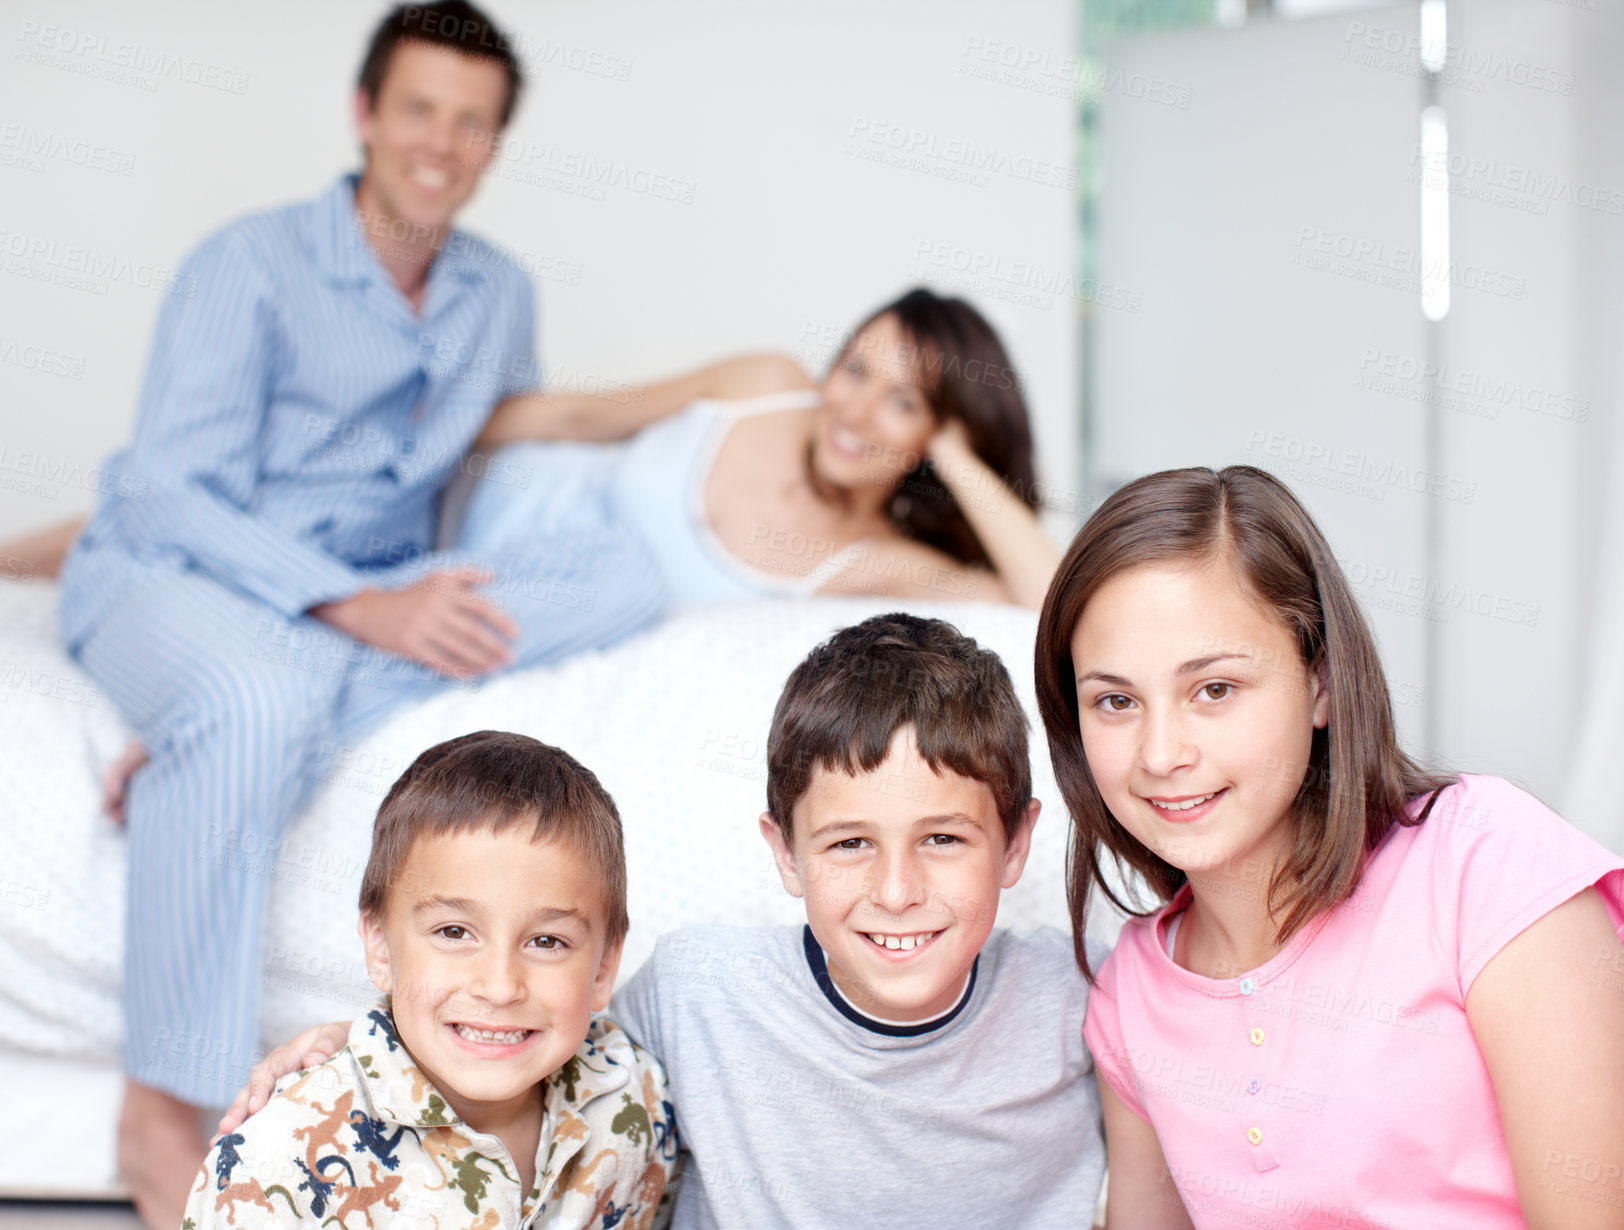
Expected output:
(794, 1110)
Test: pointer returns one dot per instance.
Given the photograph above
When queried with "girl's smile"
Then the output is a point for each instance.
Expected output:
(1196, 711)
(1188, 808)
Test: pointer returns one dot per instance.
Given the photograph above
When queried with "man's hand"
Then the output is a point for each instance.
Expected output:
(116, 781)
(439, 621)
(315, 1045)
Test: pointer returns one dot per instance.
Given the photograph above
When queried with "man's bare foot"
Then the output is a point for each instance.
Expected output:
(160, 1151)
(41, 553)
(116, 781)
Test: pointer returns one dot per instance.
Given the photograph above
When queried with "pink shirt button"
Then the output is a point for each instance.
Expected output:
(1257, 1035)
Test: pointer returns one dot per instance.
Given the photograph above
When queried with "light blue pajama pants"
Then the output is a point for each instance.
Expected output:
(241, 710)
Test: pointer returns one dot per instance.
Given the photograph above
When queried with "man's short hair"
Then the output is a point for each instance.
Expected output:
(493, 780)
(842, 705)
(455, 25)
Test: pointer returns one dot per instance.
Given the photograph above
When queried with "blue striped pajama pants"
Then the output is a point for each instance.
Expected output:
(241, 710)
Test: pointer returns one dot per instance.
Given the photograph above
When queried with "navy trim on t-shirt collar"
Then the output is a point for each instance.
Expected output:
(826, 984)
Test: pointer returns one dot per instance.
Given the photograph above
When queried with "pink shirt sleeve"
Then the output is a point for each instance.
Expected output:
(1503, 860)
(1102, 1028)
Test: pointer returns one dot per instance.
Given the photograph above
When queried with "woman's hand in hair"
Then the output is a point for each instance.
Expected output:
(949, 448)
(1022, 556)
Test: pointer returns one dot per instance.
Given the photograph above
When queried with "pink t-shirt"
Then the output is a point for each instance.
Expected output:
(1340, 1084)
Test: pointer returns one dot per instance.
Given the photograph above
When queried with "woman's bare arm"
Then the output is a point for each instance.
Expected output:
(904, 568)
(41, 553)
(1021, 553)
(616, 415)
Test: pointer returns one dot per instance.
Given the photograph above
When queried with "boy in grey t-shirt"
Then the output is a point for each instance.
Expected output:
(896, 1061)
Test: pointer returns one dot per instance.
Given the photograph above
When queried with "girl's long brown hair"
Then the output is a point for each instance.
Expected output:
(1358, 780)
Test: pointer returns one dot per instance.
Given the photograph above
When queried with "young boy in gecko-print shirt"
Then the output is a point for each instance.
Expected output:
(481, 1093)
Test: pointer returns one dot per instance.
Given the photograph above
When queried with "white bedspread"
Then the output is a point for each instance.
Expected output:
(673, 721)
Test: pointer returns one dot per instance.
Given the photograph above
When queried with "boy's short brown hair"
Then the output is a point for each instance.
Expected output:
(493, 780)
(842, 705)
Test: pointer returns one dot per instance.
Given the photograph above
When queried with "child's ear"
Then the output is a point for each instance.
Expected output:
(376, 944)
(788, 872)
(1322, 695)
(603, 982)
(1020, 846)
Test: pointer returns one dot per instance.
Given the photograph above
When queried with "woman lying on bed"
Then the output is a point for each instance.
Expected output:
(908, 472)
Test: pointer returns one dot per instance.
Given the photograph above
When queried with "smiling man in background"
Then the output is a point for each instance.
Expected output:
(267, 591)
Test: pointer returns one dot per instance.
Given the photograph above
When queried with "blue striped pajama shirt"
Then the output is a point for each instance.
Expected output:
(296, 427)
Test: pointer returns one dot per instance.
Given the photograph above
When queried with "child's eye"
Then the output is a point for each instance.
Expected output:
(1114, 702)
(549, 943)
(1216, 691)
(942, 840)
(851, 843)
(452, 931)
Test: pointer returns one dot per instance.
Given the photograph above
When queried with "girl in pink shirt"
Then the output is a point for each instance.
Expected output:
(1374, 996)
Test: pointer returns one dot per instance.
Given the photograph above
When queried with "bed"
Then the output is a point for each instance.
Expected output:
(673, 721)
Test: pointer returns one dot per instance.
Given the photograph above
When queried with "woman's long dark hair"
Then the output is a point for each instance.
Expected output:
(965, 374)
(1358, 780)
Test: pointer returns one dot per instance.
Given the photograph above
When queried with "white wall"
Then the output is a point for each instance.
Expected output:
(1316, 122)
(767, 118)
(1592, 795)
(1243, 348)
(1522, 180)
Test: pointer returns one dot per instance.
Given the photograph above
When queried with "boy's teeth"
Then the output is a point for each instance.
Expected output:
(1185, 805)
(903, 943)
(507, 1037)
